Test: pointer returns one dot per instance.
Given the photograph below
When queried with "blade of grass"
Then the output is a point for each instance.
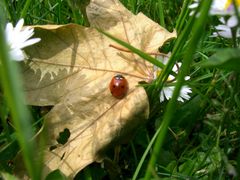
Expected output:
(25, 8)
(182, 17)
(181, 41)
(5, 12)
(133, 5)
(161, 14)
(11, 84)
(198, 28)
(135, 175)
(179, 46)
(236, 8)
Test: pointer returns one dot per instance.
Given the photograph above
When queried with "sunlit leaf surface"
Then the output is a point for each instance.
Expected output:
(71, 68)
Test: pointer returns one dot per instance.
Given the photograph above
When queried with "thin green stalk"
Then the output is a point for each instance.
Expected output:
(5, 4)
(171, 107)
(178, 47)
(11, 84)
(76, 16)
(133, 6)
(58, 12)
(81, 5)
(234, 30)
(184, 12)
(161, 14)
(84, 13)
(25, 9)
(134, 152)
(135, 175)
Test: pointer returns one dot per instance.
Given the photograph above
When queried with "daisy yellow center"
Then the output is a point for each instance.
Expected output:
(158, 72)
(229, 2)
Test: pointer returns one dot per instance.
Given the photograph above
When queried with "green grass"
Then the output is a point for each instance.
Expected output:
(197, 139)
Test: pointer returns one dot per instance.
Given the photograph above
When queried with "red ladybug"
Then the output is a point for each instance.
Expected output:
(118, 86)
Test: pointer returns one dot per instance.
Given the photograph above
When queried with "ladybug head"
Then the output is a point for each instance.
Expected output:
(118, 76)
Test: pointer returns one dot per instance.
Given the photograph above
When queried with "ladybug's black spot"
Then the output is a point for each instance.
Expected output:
(122, 87)
(114, 86)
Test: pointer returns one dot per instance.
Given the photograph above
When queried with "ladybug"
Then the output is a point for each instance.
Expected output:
(118, 86)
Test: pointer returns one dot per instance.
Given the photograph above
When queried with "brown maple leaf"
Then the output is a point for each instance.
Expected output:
(71, 69)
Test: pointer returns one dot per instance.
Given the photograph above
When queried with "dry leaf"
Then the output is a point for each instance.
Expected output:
(71, 68)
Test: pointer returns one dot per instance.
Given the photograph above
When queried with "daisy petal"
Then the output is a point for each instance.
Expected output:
(16, 54)
(19, 25)
(29, 42)
(193, 6)
(232, 21)
(18, 38)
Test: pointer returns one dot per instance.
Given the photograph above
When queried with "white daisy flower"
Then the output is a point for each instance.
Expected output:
(225, 29)
(167, 91)
(18, 38)
(218, 7)
(223, 7)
